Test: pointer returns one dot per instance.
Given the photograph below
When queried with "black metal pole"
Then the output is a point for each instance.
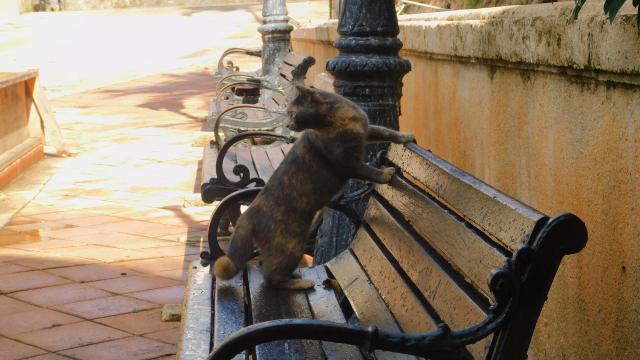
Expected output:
(369, 72)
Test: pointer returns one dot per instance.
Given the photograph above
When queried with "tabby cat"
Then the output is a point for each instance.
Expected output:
(329, 152)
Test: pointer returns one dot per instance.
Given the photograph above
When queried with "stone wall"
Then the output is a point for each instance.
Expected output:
(412, 8)
(547, 110)
(475, 4)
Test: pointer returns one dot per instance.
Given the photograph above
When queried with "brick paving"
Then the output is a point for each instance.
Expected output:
(87, 264)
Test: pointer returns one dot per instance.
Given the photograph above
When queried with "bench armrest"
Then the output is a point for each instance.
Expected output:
(249, 52)
(442, 343)
(244, 196)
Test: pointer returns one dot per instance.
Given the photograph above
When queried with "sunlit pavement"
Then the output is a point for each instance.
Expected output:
(77, 51)
(97, 242)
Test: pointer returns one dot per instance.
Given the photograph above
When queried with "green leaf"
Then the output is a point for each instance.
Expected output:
(577, 8)
(611, 8)
(636, 3)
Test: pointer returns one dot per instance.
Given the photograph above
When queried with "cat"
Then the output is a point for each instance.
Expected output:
(330, 150)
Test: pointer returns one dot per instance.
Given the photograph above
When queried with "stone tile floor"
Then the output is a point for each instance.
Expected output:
(88, 262)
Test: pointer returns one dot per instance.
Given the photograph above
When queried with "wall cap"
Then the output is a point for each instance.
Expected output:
(542, 34)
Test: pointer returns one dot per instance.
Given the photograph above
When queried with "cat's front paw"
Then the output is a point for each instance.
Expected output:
(407, 137)
(387, 174)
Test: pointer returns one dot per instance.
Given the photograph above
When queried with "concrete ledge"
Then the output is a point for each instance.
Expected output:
(21, 135)
(15, 161)
(11, 78)
(540, 35)
(195, 328)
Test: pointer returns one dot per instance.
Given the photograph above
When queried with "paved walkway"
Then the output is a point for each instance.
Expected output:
(77, 51)
(101, 239)
(87, 264)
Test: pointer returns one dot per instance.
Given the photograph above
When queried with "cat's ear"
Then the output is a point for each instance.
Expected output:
(307, 93)
(303, 90)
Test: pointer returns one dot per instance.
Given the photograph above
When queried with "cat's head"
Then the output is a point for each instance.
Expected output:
(322, 111)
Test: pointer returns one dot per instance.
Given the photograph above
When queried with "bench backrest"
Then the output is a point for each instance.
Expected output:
(292, 70)
(430, 245)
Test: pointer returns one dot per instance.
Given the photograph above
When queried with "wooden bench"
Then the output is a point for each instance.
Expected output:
(228, 166)
(227, 67)
(270, 93)
(250, 124)
(28, 126)
(443, 266)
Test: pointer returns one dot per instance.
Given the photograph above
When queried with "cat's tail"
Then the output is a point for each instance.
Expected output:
(225, 269)
(240, 251)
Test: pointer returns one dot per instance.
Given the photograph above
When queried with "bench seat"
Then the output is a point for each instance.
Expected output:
(260, 161)
(321, 304)
(442, 266)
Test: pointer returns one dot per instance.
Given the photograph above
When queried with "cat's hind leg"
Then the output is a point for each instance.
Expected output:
(278, 271)
(377, 133)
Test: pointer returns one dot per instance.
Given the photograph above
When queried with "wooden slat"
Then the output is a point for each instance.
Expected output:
(324, 306)
(365, 301)
(403, 304)
(243, 156)
(278, 99)
(209, 155)
(270, 304)
(503, 218)
(461, 247)
(293, 59)
(286, 71)
(229, 314)
(261, 162)
(213, 110)
(272, 102)
(230, 161)
(275, 155)
(209, 158)
(443, 293)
